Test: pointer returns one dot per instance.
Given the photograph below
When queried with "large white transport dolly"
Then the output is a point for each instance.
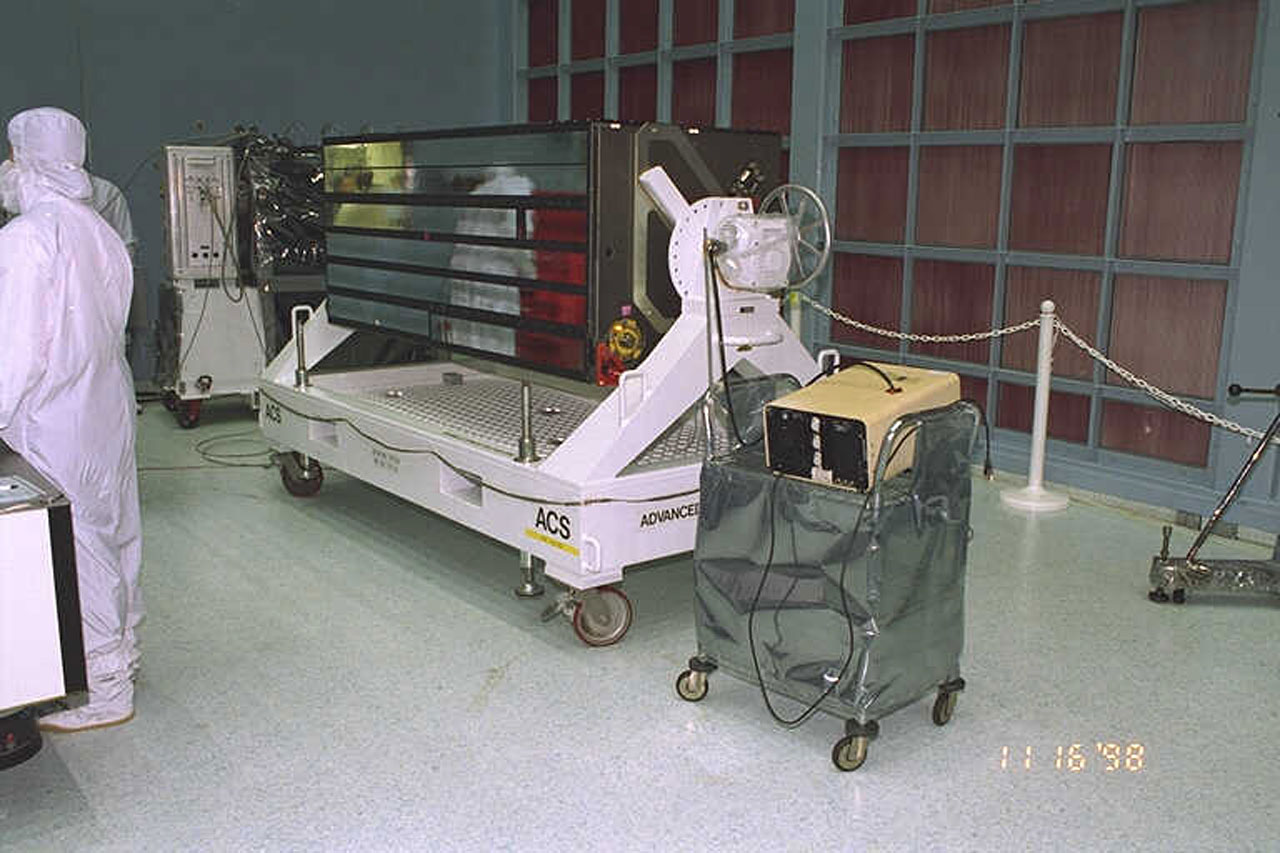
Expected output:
(585, 484)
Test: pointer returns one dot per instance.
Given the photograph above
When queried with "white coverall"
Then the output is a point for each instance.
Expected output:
(66, 394)
(111, 206)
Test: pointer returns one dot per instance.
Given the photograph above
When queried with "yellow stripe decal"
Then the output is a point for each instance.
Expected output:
(547, 540)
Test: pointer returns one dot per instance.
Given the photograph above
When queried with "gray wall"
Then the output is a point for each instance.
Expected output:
(1252, 355)
(143, 73)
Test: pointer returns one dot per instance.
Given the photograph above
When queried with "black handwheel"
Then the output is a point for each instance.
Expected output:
(944, 706)
(692, 686)
(602, 616)
(849, 752)
(187, 413)
(299, 481)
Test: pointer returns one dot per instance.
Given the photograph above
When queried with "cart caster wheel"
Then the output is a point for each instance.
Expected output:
(850, 752)
(602, 616)
(170, 401)
(944, 706)
(692, 686)
(1179, 596)
(298, 481)
(1158, 595)
(188, 413)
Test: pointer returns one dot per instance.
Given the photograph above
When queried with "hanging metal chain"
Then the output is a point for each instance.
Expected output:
(926, 339)
(1129, 376)
(1163, 396)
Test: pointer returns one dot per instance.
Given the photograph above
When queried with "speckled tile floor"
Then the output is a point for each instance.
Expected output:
(351, 673)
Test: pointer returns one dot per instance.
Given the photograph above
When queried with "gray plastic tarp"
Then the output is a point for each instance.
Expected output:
(773, 554)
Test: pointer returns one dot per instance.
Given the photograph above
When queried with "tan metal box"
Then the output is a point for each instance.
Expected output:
(831, 431)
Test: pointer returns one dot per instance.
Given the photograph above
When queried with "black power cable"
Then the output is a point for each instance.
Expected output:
(893, 389)
(713, 275)
(218, 228)
(208, 450)
(230, 246)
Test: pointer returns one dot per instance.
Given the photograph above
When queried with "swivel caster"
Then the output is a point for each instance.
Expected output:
(20, 738)
(1179, 596)
(692, 686)
(850, 751)
(602, 616)
(1159, 596)
(188, 413)
(945, 705)
(301, 481)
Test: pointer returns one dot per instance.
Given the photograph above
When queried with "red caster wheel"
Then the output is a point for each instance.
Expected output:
(187, 413)
(602, 616)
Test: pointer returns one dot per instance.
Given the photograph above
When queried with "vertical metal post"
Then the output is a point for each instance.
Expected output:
(1035, 498)
(528, 449)
(301, 379)
(1040, 418)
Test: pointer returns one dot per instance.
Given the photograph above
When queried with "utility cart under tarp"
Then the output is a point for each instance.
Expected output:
(773, 554)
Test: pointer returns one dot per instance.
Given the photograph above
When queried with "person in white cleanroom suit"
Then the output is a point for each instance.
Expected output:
(107, 199)
(66, 394)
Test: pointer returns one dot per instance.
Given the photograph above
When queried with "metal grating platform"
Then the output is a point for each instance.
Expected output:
(486, 412)
(683, 443)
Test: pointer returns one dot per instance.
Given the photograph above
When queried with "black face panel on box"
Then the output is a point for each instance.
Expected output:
(789, 441)
(832, 431)
(799, 442)
(844, 451)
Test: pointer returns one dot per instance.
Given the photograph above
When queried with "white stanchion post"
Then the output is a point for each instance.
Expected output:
(1035, 497)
